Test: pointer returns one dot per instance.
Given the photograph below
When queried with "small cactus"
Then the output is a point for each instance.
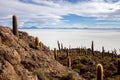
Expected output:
(99, 72)
(0, 40)
(40, 44)
(69, 47)
(58, 45)
(115, 51)
(112, 54)
(67, 52)
(69, 62)
(118, 67)
(108, 52)
(92, 48)
(15, 26)
(62, 46)
(55, 53)
(86, 51)
(103, 51)
(36, 41)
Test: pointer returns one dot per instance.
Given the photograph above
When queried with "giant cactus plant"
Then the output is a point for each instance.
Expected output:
(103, 51)
(99, 72)
(58, 45)
(15, 26)
(92, 48)
(55, 53)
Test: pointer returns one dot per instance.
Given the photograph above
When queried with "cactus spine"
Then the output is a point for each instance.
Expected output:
(55, 53)
(92, 48)
(99, 72)
(69, 62)
(15, 26)
(118, 67)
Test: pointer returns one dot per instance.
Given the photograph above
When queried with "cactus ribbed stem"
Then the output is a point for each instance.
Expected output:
(99, 72)
(55, 53)
(62, 46)
(15, 26)
(92, 48)
(103, 51)
(58, 45)
(40, 44)
(36, 41)
(67, 52)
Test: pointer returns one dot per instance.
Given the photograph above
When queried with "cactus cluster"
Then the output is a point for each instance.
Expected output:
(83, 60)
(99, 68)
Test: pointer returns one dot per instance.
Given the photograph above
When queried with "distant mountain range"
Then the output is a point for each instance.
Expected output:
(69, 28)
(29, 27)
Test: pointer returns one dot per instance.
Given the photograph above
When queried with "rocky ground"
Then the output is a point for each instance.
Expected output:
(21, 60)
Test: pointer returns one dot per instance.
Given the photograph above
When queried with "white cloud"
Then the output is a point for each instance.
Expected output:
(43, 12)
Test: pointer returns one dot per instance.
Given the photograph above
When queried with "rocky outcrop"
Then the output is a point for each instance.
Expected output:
(19, 61)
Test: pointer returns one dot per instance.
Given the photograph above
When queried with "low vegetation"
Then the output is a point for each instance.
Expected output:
(84, 62)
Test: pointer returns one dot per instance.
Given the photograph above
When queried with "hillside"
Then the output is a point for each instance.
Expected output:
(21, 60)
(84, 62)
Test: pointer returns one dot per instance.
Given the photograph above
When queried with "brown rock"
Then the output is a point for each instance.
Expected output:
(20, 61)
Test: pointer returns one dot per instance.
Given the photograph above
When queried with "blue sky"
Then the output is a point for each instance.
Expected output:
(61, 13)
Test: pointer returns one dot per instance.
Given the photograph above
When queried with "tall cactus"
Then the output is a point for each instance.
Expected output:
(92, 48)
(58, 45)
(69, 62)
(103, 51)
(99, 72)
(55, 53)
(0, 40)
(118, 67)
(67, 52)
(15, 26)
(61, 46)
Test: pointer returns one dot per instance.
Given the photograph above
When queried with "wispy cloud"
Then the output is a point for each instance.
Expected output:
(51, 12)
